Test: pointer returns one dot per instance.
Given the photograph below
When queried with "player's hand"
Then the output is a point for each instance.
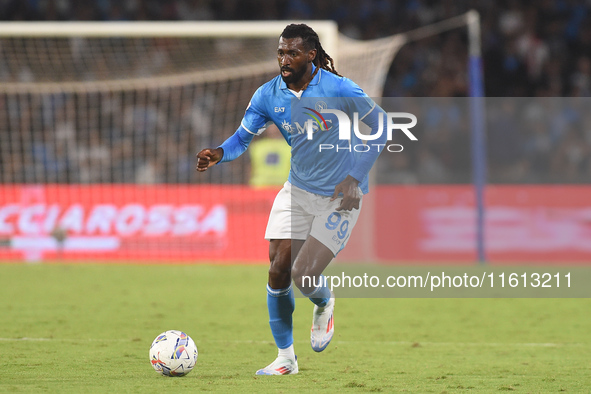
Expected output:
(351, 194)
(208, 157)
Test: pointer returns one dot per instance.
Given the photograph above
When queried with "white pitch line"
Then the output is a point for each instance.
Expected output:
(409, 343)
(24, 339)
(492, 344)
(262, 342)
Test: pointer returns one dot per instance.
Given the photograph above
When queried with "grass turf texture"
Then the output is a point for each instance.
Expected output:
(88, 328)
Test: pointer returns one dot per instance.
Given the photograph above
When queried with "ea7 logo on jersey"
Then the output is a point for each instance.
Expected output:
(279, 109)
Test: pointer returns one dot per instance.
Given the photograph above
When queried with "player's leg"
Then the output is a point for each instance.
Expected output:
(329, 234)
(307, 270)
(281, 304)
(284, 223)
(280, 297)
(281, 255)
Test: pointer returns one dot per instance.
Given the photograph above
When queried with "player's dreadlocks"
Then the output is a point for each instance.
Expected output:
(311, 41)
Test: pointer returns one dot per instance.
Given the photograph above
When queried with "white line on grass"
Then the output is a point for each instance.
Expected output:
(395, 343)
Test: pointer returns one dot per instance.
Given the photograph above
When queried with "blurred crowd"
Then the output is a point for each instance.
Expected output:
(529, 140)
(530, 49)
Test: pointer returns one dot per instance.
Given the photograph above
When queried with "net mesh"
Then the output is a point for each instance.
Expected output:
(121, 110)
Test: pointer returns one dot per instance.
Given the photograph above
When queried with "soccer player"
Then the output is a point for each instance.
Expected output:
(313, 215)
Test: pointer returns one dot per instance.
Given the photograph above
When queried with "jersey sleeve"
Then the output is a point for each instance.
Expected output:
(255, 118)
(356, 100)
(366, 159)
(235, 145)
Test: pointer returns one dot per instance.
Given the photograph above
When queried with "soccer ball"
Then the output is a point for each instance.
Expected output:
(173, 353)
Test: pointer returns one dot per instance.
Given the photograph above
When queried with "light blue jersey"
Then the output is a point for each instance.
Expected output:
(312, 169)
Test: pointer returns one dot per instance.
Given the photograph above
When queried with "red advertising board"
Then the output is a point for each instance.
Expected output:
(130, 222)
(522, 223)
(172, 223)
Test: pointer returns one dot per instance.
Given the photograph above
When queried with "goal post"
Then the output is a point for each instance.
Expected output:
(470, 21)
(327, 30)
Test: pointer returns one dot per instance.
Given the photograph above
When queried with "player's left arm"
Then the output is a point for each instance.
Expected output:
(369, 113)
(367, 158)
(349, 187)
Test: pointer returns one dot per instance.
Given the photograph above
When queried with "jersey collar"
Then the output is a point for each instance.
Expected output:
(315, 80)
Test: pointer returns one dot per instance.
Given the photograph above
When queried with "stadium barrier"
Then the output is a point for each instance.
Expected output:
(211, 223)
(127, 223)
(523, 223)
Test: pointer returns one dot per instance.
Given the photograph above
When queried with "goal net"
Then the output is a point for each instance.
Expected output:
(100, 124)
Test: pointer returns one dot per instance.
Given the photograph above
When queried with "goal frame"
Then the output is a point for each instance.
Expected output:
(327, 30)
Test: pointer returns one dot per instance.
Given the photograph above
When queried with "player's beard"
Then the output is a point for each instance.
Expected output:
(294, 77)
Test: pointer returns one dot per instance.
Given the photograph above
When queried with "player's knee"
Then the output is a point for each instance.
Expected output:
(297, 281)
(279, 273)
(301, 277)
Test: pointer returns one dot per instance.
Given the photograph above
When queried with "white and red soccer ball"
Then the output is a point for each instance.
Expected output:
(173, 353)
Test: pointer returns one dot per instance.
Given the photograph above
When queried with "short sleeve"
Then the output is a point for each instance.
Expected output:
(255, 118)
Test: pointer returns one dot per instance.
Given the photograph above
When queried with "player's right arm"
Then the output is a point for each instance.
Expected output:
(228, 151)
(255, 118)
(208, 157)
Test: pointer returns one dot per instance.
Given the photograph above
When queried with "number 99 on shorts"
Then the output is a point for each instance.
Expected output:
(336, 223)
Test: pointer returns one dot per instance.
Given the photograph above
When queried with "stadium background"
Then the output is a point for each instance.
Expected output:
(530, 49)
(87, 327)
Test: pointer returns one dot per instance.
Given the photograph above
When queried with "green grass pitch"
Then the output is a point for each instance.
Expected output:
(88, 328)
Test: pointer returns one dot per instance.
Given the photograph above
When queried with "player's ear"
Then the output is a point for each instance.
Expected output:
(312, 55)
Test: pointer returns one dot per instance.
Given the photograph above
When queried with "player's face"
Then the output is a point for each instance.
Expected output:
(293, 59)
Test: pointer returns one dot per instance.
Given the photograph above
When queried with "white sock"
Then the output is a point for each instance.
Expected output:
(287, 353)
